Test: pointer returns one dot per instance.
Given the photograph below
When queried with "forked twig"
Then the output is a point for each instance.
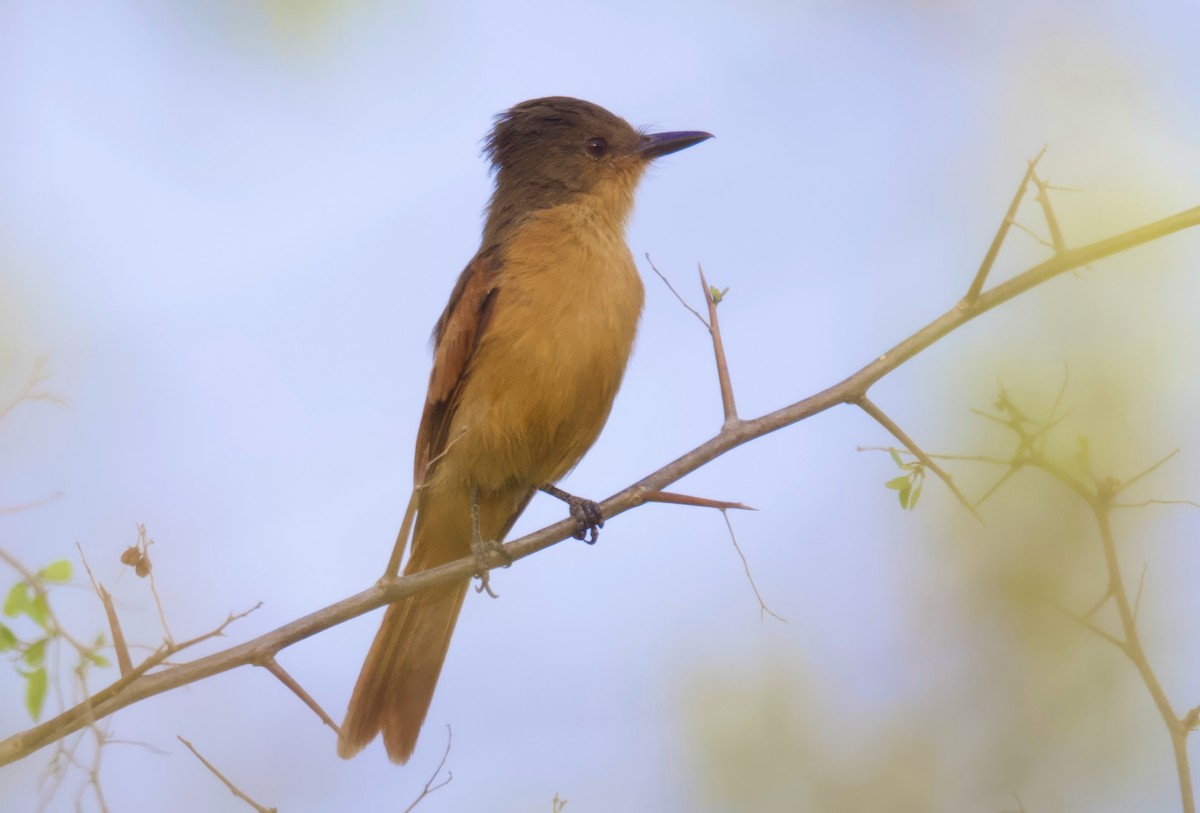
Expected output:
(989, 259)
(430, 787)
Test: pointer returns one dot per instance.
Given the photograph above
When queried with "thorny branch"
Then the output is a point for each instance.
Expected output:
(1098, 493)
(142, 683)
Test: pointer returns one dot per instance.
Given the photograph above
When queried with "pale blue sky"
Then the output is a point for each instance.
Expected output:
(231, 229)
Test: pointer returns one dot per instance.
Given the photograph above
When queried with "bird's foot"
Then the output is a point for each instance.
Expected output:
(483, 551)
(588, 518)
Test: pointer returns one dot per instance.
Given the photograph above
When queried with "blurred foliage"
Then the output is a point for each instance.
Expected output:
(1000, 692)
(29, 599)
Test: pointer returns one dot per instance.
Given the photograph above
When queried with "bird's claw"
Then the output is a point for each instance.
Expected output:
(588, 519)
(483, 551)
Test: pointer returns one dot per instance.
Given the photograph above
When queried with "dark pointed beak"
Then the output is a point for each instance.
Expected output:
(656, 145)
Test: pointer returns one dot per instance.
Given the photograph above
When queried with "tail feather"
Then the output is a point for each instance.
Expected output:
(395, 687)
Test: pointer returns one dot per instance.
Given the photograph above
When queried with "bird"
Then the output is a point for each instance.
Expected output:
(528, 356)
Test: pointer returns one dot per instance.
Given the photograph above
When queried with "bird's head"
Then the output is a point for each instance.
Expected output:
(546, 152)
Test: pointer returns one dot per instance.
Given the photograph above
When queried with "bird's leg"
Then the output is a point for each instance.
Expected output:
(481, 549)
(587, 516)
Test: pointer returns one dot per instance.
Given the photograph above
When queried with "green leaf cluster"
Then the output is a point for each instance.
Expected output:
(28, 598)
(908, 485)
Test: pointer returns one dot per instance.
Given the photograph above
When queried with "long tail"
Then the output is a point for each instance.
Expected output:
(396, 684)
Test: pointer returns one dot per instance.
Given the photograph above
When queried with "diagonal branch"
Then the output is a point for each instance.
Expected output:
(142, 683)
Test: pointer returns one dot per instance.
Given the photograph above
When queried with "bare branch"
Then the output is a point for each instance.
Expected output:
(1133, 649)
(141, 684)
(989, 259)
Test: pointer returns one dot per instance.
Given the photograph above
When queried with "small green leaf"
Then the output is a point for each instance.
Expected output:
(38, 610)
(896, 457)
(98, 659)
(36, 653)
(7, 639)
(898, 483)
(717, 294)
(916, 495)
(35, 692)
(59, 571)
(17, 600)
(903, 493)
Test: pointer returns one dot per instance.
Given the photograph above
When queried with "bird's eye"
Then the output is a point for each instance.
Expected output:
(596, 147)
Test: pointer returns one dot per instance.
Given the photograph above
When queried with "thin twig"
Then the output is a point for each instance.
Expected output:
(124, 662)
(763, 609)
(713, 325)
(869, 407)
(146, 568)
(1144, 503)
(1123, 486)
(1062, 391)
(989, 259)
(1043, 197)
(430, 787)
(272, 666)
(714, 329)
(682, 301)
(29, 391)
(1088, 625)
(1033, 234)
(1100, 602)
(234, 789)
(216, 633)
(1013, 469)
(1137, 601)
(971, 458)
(26, 506)
(699, 502)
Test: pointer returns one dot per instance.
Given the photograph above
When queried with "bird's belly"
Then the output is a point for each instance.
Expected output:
(543, 380)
